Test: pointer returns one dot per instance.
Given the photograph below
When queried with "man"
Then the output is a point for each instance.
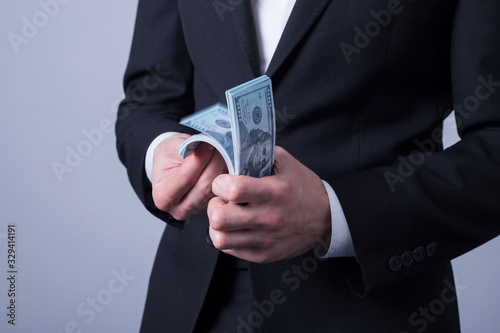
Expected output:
(355, 229)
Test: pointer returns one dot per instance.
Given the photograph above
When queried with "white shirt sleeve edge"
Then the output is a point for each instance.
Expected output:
(341, 242)
(148, 163)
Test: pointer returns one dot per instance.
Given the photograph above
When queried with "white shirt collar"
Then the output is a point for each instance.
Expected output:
(270, 17)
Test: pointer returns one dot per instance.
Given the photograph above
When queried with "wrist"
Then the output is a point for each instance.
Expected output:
(339, 242)
(148, 162)
(323, 217)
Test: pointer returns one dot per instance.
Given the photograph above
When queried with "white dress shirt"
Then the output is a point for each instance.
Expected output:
(270, 17)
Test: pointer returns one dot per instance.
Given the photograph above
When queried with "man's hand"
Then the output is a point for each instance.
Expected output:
(272, 218)
(184, 187)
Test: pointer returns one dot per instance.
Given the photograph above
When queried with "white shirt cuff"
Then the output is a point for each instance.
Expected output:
(341, 241)
(148, 165)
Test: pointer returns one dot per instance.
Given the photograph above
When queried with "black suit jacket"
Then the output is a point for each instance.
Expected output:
(361, 89)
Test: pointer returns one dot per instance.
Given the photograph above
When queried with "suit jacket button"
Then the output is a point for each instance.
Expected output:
(432, 248)
(395, 263)
(407, 258)
(419, 253)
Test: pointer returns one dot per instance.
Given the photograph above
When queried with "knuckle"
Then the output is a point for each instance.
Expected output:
(285, 193)
(234, 191)
(275, 221)
(219, 240)
(279, 150)
(216, 220)
(284, 188)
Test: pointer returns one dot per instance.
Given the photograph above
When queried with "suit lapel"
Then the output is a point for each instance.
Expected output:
(245, 30)
(303, 15)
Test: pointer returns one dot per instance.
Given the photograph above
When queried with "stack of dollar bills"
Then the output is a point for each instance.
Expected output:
(244, 133)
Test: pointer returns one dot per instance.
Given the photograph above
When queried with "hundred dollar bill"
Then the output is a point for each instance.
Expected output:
(244, 133)
(215, 127)
(254, 132)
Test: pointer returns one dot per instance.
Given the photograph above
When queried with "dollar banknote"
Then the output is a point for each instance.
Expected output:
(252, 115)
(214, 124)
(244, 133)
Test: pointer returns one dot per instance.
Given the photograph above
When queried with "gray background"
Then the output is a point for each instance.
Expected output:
(77, 231)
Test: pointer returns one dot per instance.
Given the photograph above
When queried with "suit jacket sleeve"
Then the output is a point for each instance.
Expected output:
(158, 89)
(406, 197)
(431, 206)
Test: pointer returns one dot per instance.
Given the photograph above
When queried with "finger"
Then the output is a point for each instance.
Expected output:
(241, 239)
(197, 198)
(187, 174)
(170, 190)
(243, 189)
(194, 164)
(166, 158)
(230, 216)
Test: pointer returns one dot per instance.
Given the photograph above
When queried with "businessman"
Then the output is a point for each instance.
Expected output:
(355, 229)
